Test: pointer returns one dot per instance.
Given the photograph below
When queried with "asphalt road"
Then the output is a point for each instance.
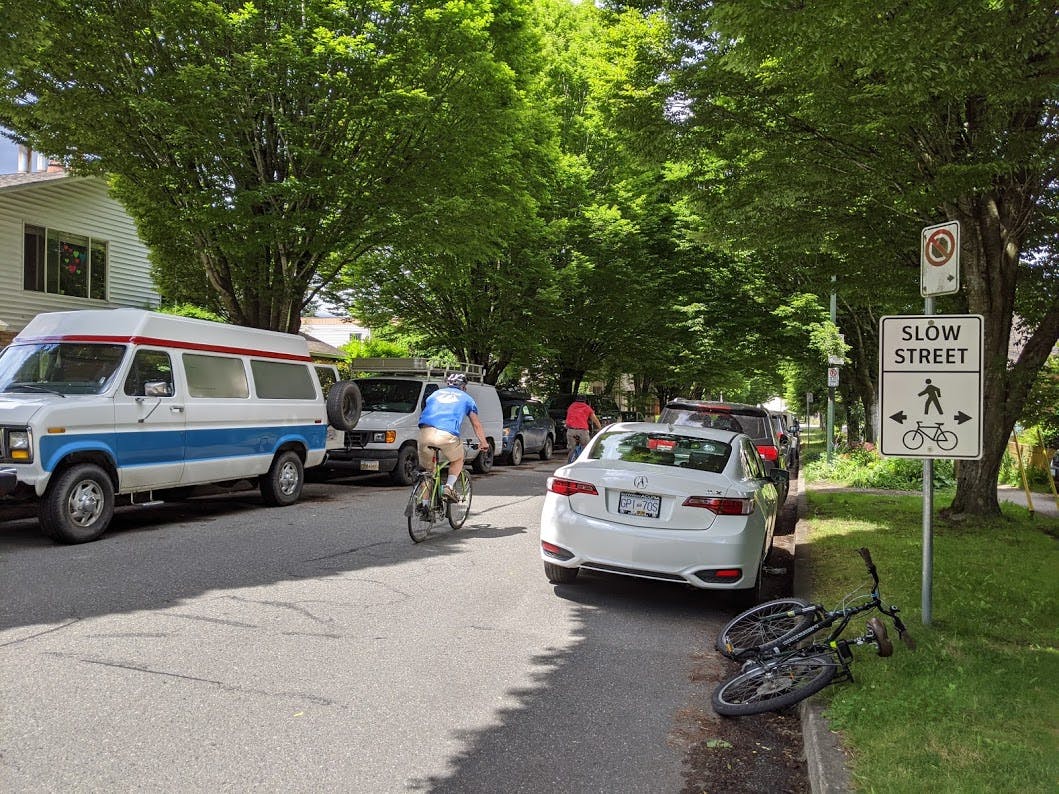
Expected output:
(218, 645)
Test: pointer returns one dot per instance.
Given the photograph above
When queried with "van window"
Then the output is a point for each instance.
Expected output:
(149, 366)
(276, 380)
(327, 378)
(215, 376)
(390, 396)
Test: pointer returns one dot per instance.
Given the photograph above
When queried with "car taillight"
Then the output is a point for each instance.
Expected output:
(722, 506)
(768, 452)
(569, 487)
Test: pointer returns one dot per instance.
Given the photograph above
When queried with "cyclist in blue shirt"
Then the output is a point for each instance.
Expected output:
(439, 426)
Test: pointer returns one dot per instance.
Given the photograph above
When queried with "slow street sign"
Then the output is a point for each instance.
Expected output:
(939, 259)
(930, 386)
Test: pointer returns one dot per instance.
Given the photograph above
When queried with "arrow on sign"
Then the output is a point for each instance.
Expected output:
(900, 417)
(961, 417)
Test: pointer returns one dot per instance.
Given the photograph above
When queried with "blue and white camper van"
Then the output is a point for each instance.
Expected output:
(100, 404)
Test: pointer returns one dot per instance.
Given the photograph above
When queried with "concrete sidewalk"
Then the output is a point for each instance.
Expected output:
(1043, 504)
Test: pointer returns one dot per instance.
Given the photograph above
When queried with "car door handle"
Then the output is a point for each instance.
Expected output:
(176, 409)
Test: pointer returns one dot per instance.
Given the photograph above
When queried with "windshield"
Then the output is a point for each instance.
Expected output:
(391, 396)
(754, 426)
(662, 449)
(59, 367)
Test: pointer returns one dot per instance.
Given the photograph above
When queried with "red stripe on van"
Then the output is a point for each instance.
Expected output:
(147, 340)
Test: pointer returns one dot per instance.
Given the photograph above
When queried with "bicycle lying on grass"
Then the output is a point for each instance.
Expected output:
(427, 505)
(782, 664)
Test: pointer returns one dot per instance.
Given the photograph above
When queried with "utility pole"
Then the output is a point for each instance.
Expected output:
(831, 389)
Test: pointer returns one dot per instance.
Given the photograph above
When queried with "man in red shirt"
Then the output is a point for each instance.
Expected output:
(579, 418)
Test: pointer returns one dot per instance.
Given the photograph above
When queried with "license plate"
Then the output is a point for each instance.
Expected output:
(639, 504)
(369, 465)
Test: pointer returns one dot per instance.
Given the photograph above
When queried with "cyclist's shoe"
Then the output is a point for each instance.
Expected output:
(450, 494)
(423, 509)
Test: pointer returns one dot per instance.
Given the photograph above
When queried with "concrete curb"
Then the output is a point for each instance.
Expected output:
(824, 757)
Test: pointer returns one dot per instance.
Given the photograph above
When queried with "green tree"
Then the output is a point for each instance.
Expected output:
(834, 132)
(263, 144)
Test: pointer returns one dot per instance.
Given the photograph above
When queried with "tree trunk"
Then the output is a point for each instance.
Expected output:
(990, 254)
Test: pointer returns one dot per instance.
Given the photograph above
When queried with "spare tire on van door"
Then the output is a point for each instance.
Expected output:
(343, 405)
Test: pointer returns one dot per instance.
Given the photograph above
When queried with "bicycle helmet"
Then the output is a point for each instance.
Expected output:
(457, 380)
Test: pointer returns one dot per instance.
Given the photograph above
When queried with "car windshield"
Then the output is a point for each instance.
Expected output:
(662, 449)
(59, 367)
(754, 426)
(389, 396)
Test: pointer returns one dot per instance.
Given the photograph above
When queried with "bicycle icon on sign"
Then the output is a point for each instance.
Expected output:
(914, 439)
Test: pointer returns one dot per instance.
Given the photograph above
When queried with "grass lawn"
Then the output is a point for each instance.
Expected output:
(976, 707)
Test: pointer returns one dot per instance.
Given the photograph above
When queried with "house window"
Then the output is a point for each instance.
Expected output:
(63, 263)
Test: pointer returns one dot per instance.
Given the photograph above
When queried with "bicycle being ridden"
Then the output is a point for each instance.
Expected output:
(581, 422)
(429, 504)
(439, 434)
(782, 663)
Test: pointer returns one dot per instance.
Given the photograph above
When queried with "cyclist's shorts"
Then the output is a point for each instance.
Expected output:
(451, 446)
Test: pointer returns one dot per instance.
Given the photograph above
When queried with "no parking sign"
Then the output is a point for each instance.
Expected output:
(939, 259)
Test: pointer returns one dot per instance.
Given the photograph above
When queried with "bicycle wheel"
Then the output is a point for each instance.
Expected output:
(420, 518)
(764, 624)
(773, 685)
(913, 439)
(946, 440)
(457, 511)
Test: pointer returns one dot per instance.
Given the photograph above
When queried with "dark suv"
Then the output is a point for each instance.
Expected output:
(606, 411)
(527, 428)
(772, 444)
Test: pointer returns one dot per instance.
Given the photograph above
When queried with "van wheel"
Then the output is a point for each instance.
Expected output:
(546, 450)
(283, 484)
(78, 505)
(515, 458)
(483, 461)
(407, 467)
(343, 405)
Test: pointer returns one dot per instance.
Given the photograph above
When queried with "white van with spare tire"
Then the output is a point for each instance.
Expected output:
(101, 404)
(386, 438)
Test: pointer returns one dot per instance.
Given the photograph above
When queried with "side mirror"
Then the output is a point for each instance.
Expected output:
(781, 477)
(157, 388)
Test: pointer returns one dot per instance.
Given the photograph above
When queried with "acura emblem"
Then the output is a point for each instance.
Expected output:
(640, 481)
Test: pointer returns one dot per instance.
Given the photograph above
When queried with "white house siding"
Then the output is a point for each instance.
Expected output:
(334, 331)
(78, 206)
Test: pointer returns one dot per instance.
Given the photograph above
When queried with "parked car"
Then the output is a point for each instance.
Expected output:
(788, 440)
(527, 428)
(631, 416)
(606, 410)
(1054, 465)
(102, 405)
(753, 420)
(686, 504)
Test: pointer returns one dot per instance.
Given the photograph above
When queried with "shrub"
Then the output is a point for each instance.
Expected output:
(863, 467)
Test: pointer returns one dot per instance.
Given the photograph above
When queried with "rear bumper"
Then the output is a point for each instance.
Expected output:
(665, 555)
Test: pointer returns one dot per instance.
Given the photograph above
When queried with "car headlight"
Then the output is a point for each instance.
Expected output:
(507, 432)
(20, 445)
(384, 436)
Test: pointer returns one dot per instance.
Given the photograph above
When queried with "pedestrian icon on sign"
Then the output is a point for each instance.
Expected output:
(932, 393)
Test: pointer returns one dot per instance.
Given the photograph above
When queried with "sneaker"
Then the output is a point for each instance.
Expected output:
(450, 494)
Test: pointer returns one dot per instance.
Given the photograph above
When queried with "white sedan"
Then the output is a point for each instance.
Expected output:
(678, 504)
